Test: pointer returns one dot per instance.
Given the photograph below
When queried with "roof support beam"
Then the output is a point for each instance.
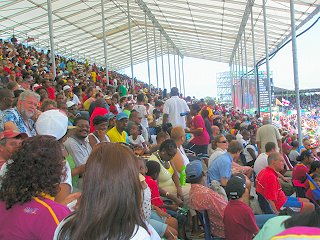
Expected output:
(243, 24)
(153, 19)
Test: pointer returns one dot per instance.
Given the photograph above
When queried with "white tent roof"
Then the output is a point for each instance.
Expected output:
(207, 29)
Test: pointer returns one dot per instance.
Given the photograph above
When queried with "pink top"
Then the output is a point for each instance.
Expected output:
(30, 220)
(204, 138)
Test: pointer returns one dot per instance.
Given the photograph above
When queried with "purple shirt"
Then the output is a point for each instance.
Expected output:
(30, 220)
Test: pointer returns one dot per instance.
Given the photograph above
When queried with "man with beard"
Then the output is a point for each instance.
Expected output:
(21, 118)
(77, 145)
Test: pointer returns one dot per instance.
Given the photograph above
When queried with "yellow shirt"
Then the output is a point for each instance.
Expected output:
(115, 136)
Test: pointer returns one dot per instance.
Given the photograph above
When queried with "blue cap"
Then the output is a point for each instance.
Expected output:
(121, 116)
(194, 170)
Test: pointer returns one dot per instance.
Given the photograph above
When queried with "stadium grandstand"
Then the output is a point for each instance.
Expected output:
(87, 152)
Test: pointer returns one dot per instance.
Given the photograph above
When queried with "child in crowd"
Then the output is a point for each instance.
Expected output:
(135, 137)
(165, 225)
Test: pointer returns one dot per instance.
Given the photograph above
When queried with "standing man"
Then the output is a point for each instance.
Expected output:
(175, 109)
(21, 118)
(268, 133)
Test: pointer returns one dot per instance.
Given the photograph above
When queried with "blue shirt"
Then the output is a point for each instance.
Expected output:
(220, 168)
(13, 115)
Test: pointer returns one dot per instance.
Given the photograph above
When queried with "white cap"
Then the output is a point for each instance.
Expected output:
(66, 87)
(52, 122)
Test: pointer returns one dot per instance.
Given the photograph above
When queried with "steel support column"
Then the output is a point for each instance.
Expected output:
(155, 56)
(242, 77)
(169, 68)
(50, 21)
(180, 89)
(147, 45)
(104, 42)
(267, 55)
(246, 62)
(163, 79)
(130, 44)
(184, 86)
(255, 72)
(175, 70)
(295, 69)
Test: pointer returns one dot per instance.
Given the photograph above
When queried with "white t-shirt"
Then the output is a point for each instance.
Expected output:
(138, 141)
(75, 100)
(140, 232)
(174, 106)
(143, 111)
(260, 163)
(247, 154)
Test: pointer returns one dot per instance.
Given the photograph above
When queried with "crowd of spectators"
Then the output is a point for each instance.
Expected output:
(90, 159)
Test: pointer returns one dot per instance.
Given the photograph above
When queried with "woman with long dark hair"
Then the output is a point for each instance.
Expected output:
(110, 205)
(28, 188)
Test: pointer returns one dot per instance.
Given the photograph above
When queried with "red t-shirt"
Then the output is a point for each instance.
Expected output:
(51, 93)
(203, 139)
(155, 194)
(239, 221)
(268, 185)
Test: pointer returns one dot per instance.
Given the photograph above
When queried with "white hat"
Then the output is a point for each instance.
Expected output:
(70, 104)
(66, 87)
(52, 122)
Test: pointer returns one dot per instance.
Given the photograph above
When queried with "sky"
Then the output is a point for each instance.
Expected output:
(200, 75)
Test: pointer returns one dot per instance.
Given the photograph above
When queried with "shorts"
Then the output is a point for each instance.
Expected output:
(158, 223)
(293, 203)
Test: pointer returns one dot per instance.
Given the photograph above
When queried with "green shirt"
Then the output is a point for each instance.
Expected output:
(271, 228)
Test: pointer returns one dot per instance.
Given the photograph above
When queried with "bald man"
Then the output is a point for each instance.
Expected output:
(268, 185)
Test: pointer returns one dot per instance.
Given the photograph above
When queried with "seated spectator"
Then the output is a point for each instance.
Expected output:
(10, 142)
(135, 138)
(136, 117)
(203, 198)
(77, 145)
(301, 226)
(117, 133)
(268, 185)
(220, 169)
(180, 159)
(117, 217)
(300, 170)
(99, 135)
(165, 225)
(262, 160)
(48, 104)
(168, 177)
(21, 118)
(294, 153)
(219, 146)
(239, 221)
(26, 197)
(306, 144)
(99, 110)
(250, 149)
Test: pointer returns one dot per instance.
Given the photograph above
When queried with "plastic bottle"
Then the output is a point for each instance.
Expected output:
(183, 176)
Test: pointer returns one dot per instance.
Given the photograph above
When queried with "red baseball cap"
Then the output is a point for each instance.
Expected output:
(12, 134)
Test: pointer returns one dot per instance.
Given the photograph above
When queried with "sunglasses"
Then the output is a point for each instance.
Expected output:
(223, 141)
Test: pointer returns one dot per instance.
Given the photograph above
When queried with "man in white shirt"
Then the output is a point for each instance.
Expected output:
(175, 110)
(262, 160)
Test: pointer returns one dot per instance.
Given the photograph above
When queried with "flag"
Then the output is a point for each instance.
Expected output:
(314, 188)
(285, 102)
(30, 39)
(278, 102)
